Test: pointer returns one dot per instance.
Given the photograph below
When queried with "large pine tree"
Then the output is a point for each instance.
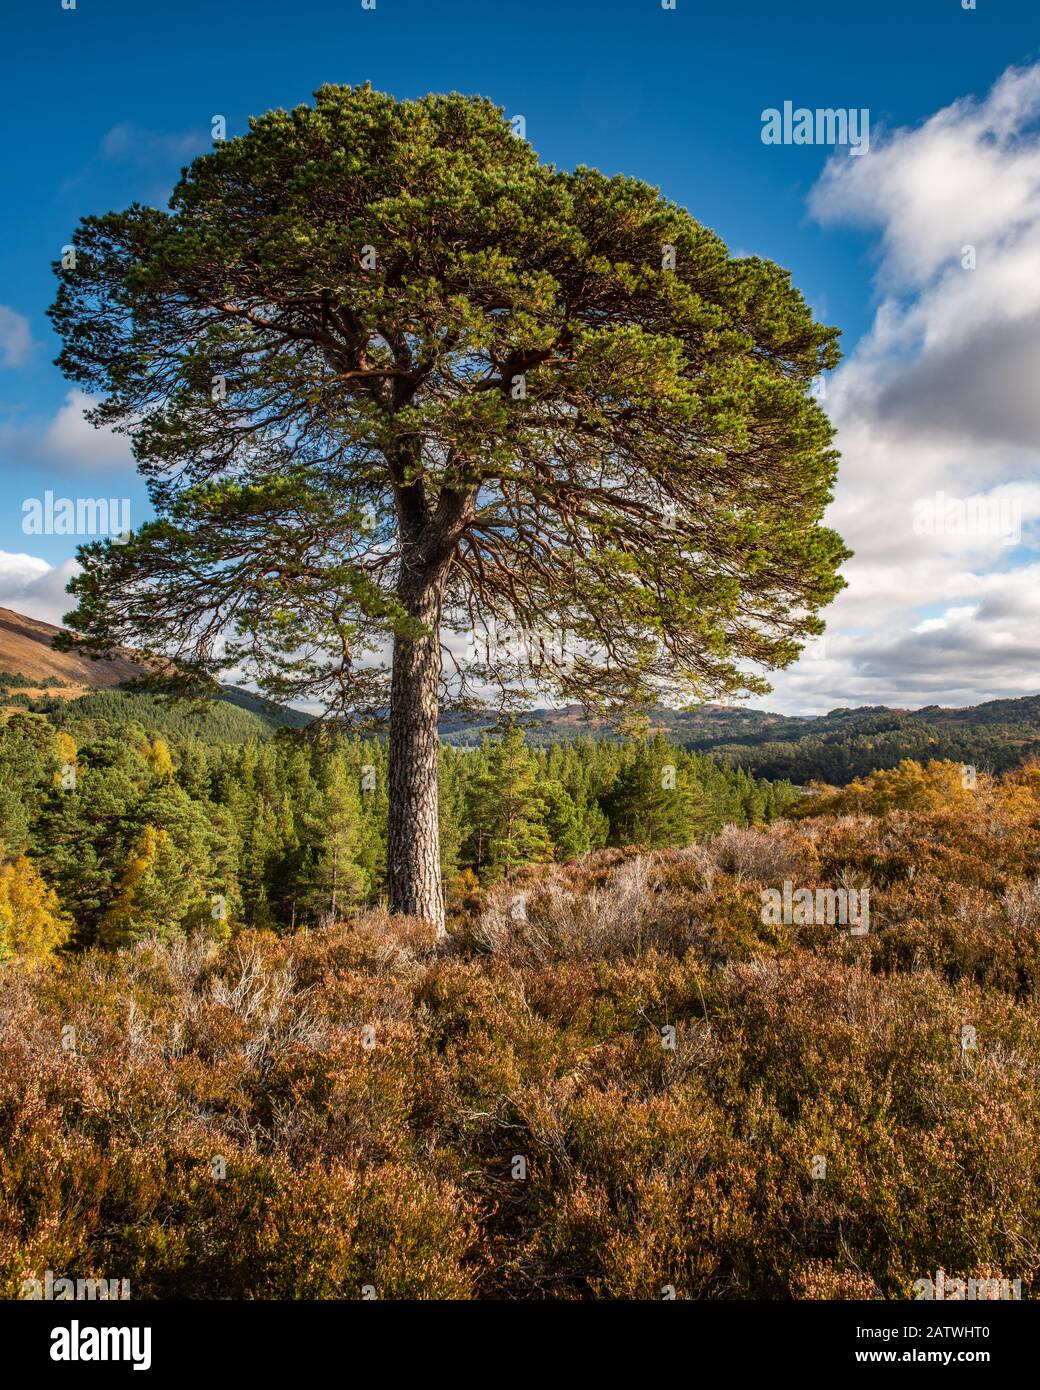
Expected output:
(392, 379)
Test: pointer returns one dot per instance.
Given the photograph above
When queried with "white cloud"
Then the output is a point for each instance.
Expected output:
(72, 443)
(15, 337)
(939, 399)
(31, 586)
(972, 167)
(67, 443)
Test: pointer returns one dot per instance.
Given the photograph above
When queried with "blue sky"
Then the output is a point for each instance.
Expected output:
(103, 103)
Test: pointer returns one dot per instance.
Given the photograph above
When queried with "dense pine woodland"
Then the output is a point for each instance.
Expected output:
(117, 827)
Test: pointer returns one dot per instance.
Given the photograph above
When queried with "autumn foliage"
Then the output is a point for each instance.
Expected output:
(32, 924)
(511, 1116)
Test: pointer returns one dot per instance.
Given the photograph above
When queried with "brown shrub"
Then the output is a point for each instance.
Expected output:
(671, 1072)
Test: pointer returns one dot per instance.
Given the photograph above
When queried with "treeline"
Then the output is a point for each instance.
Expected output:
(234, 718)
(834, 748)
(837, 758)
(112, 831)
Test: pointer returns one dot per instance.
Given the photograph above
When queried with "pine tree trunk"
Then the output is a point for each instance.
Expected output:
(413, 841)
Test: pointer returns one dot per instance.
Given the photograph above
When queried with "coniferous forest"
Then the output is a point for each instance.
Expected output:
(127, 830)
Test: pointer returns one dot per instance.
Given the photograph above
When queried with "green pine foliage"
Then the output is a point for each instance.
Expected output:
(507, 809)
(140, 830)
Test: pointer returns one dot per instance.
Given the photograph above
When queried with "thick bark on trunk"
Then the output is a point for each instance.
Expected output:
(413, 842)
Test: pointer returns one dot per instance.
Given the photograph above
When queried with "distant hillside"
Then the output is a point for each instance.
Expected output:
(847, 743)
(26, 653)
(72, 689)
(833, 747)
(707, 725)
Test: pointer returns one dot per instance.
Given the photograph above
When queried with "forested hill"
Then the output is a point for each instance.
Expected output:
(832, 747)
(849, 743)
(236, 717)
(70, 688)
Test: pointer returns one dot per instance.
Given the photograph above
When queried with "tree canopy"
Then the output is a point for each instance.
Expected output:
(371, 335)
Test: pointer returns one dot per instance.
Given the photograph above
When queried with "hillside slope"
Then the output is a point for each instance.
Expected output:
(26, 651)
(74, 688)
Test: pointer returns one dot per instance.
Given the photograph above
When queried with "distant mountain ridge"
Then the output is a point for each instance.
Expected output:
(832, 747)
(723, 723)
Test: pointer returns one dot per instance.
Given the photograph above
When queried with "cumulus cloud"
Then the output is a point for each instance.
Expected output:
(15, 337)
(938, 415)
(972, 167)
(31, 586)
